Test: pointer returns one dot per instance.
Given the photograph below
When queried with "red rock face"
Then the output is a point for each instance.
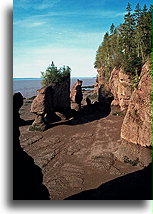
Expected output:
(51, 98)
(121, 89)
(100, 78)
(113, 84)
(119, 85)
(75, 89)
(96, 87)
(38, 104)
(136, 126)
(101, 86)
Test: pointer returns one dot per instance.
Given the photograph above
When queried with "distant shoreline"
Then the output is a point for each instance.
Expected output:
(20, 78)
(29, 86)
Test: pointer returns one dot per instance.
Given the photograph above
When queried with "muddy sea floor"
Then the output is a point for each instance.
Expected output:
(80, 153)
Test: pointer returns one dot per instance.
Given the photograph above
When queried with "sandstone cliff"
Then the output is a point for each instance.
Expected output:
(120, 85)
(136, 126)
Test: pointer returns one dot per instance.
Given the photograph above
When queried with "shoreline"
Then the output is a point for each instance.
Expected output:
(28, 89)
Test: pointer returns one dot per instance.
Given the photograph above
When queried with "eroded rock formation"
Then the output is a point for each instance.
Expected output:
(121, 88)
(50, 99)
(76, 95)
(136, 126)
(101, 87)
(40, 106)
(100, 80)
(61, 95)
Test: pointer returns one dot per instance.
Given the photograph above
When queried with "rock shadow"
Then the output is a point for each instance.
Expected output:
(88, 113)
(134, 186)
(26, 122)
(27, 176)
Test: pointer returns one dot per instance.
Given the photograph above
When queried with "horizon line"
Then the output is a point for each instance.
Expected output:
(42, 78)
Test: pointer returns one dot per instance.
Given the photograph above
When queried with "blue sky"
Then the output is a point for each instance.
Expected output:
(67, 32)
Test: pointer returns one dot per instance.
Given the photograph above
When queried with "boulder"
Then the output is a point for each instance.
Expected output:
(136, 126)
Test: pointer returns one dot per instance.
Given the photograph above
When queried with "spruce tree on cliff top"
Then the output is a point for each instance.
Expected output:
(128, 45)
(52, 75)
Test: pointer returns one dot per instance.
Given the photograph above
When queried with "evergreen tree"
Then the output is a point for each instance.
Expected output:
(128, 45)
(127, 31)
(144, 9)
(52, 75)
(112, 28)
(137, 13)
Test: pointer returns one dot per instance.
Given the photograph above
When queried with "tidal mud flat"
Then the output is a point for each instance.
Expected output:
(86, 152)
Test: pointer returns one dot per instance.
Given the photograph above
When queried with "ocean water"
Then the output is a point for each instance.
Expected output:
(28, 87)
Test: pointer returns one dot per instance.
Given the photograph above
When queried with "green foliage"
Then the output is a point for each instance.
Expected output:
(112, 28)
(127, 45)
(52, 75)
(151, 70)
(133, 163)
(37, 128)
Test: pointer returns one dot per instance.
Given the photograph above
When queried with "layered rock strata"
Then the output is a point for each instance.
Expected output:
(121, 88)
(136, 126)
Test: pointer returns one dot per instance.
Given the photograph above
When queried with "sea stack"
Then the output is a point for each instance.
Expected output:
(76, 95)
(54, 98)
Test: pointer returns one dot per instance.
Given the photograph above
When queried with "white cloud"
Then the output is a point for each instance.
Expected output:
(91, 12)
(35, 24)
(35, 4)
(120, 14)
(30, 22)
